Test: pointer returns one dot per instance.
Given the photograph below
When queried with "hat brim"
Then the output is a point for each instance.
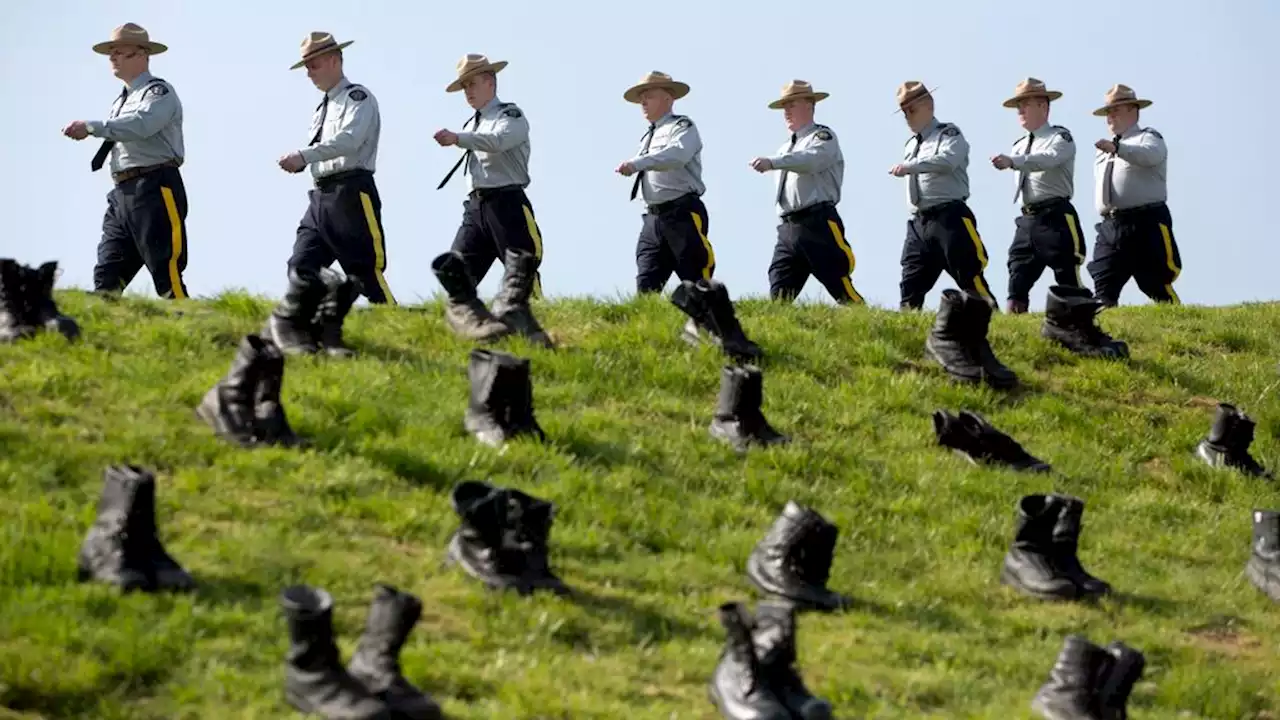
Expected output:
(926, 94)
(152, 48)
(1049, 95)
(1102, 111)
(493, 67)
(313, 55)
(814, 96)
(675, 87)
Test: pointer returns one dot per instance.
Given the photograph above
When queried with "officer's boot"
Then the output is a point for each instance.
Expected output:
(738, 688)
(1031, 566)
(994, 373)
(1070, 693)
(269, 416)
(15, 320)
(973, 438)
(707, 304)
(511, 306)
(340, 294)
(376, 662)
(793, 559)
(1066, 543)
(1070, 319)
(228, 406)
(46, 312)
(1127, 666)
(1263, 567)
(775, 643)
(465, 314)
(314, 679)
(1227, 444)
(479, 545)
(112, 551)
(528, 532)
(292, 323)
(501, 405)
(950, 340)
(738, 419)
(166, 572)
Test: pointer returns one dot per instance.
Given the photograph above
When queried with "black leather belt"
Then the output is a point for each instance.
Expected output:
(134, 172)
(670, 205)
(1036, 208)
(807, 212)
(483, 193)
(940, 208)
(1124, 212)
(328, 181)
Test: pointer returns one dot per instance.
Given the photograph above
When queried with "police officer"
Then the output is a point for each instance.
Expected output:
(811, 237)
(497, 215)
(1048, 231)
(1135, 237)
(343, 220)
(668, 172)
(942, 234)
(145, 223)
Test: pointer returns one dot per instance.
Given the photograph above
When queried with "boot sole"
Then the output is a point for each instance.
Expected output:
(1007, 578)
(1049, 713)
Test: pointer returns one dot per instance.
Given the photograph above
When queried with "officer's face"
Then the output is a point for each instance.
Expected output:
(797, 113)
(479, 90)
(1120, 119)
(324, 71)
(1032, 113)
(918, 114)
(128, 61)
(655, 102)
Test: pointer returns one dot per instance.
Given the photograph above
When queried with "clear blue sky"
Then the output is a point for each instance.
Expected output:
(1209, 69)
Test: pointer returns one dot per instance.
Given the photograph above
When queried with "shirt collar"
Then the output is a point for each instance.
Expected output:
(805, 130)
(928, 129)
(342, 84)
(491, 105)
(142, 79)
(1041, 131)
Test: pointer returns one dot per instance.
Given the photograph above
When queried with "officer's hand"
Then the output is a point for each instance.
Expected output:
(1105, 146)
(292, 162)
(897, 170)
(446, 138)
(626, 169)
(77, 130)
(761, 165)
(1001, 162)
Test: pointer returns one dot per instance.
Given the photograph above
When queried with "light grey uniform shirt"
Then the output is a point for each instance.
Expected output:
(811, 169)
(671, 159)
(937, 163)
(146, 125)
(1135, 175)
(499, 145)
(349, 125)
(1045, 162)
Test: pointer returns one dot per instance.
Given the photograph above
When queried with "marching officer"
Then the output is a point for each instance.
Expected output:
(497, 215)
(145, 222)
(942, 233)
(811, 237)
(1047, 234)
(1135, 238)
(668, 170)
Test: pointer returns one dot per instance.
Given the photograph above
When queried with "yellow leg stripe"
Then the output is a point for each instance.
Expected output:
(537, 248)
(379, 252)
(981, 286)
(175, 240)
(1077, 246)
(977, 242)
(711, 255)
(1168, 258)
(848, 251)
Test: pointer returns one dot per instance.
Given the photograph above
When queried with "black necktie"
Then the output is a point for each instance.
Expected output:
(913, 181)
(104, 150)
(782, 177)
(323, 107)
(475, 123)
(648, 138)
(1108, 192)
(1022, 174)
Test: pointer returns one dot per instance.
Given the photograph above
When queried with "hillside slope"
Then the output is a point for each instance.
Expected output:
(655, 520)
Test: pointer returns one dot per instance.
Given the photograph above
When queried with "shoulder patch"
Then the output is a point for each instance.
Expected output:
(512, 112)
(1066, 135)
(824, 134)
(950, 131)
(683, 122)
(357, 94)
(1155, 132)
(159, 90)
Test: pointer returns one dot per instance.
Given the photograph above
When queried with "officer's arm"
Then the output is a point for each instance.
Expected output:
(357, 122)
(508, 132)
(683, 145)
(155, 110)
(1148, 150)
(1059, 151)
(816, 157)
(953, 151)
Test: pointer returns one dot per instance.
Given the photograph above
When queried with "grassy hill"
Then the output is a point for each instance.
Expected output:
(655, 519)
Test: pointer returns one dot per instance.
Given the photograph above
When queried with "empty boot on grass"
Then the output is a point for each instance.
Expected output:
(292, 323)
(1126, 668)
(478, 546)
(1263, 567)
(793, 560)
(340, 294)
(1071, 691)
(775, 642)
(972, 437)
(501, 404)
(271, 421)
(739, 688)
(528, 535)
(376, 662)
(511, 306)
(994, 373)
(165, 572)
(1032, 565)
(228, 407)
(16, 322)
(45, 308)
(314, 679)
(950, 339)
(465, 314)
(115, 550)
(738, 419)
(1066, 543)
(1228, 441)
(1070, 319)
(709, 308)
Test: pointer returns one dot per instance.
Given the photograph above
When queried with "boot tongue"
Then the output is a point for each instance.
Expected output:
(815, 552)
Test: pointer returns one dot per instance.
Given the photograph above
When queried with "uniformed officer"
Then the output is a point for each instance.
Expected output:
(343, 220)
(146, 219)
(811, 238)
(1135, 237)
(942, 234)
(668, 170)
(497, 214)
(1047, 234)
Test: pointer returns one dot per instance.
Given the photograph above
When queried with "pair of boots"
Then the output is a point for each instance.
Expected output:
(1228, 441)
(738, 419)
(709, 308)
(122, 547)
(1070, 319)
(501, 404)
(309, 318)
(958, 341)
(371, 685)
(467, 315)
(503, 538)
(1088, 682)
(756, 678)
(1263, 567)
(27, 304)
(792, 563)
(244, 406)
(1042, 560)
(972, 437)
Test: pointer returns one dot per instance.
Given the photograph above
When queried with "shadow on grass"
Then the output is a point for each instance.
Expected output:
(647, 625)
(25, 694)
(411, 467)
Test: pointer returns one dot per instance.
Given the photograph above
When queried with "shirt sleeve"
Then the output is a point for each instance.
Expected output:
(509, 130)
(356, 123)
(683, 144)
(953, 151)
(820, 154)
(1060, 150)
(155, 109)
(1147, 150)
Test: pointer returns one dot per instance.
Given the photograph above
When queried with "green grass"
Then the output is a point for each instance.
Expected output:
(655, 519)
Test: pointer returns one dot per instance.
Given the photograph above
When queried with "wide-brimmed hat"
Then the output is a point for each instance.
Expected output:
(797, 90)
(316, 44)
(911, 92)
(130, 34)
(1030, 88)
(1120, 95)
(656, 79)
(474, 64)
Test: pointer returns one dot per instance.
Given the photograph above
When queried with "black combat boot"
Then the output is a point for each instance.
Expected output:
(975, 439)
(528, 532)
(950, 340)
(292, 322)
(793, 560)
(1126, 670)
(709, 308)
(114, 551)
(314, 679)
(1032, 565)
(1071, 692)
(480, 546)
(228, 407)
(994, 373)
(340, 294)
(16, 322)
(775, 642)
(165, 572)
(1227, 444)
(376, 662)
(1066, 542)
(1070, 319)
(271, 422)
(738, 419)
(501, 405)
(738, 687)
(1263, 567)
(465, 314)
(511, 306)
(45, 309)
